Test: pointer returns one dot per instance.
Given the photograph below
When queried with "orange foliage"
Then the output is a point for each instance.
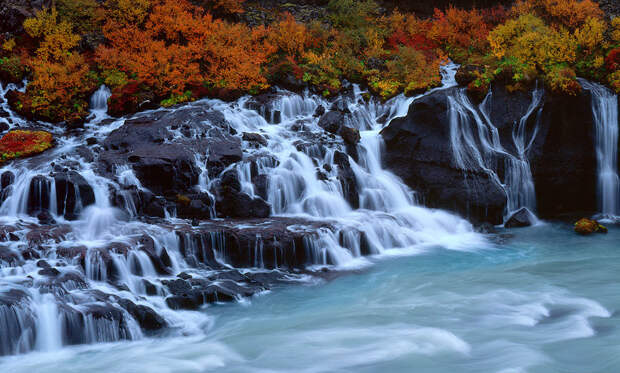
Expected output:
(458, 28)
(569, 13)
(60, 76)
(289, 36)
(180, 46)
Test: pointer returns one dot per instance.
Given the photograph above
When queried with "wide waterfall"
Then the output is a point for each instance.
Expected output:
(476, 145)
(605, 112)
(80, 265)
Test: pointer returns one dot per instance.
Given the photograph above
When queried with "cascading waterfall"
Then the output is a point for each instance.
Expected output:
(605, 113)
(99, 103)
(93, 272)
(476, 146)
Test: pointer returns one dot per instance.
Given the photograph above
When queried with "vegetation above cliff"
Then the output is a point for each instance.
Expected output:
(171, 51)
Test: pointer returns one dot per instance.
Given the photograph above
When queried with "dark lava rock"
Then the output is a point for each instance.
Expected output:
(72, 194)
(39, 194)
(351, 136)
(563, 157)
(18, 322)
(255, 138)
(45, 218)
(520, 218)
(233, 203)
(264, 105)
(332, 121)
(161, 147)
(320, 110)
(272, 243)
(347, 178)
(49, 271)
(418, 149)
(146, 317)
(6, 179)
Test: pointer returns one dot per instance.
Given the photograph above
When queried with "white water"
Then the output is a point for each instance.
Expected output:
(605, 112)
(476, 146)
(389, 221)
(525, 308)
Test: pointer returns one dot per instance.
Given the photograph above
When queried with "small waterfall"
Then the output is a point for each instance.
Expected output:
(476, 146)
(99, 103)
(605, 113)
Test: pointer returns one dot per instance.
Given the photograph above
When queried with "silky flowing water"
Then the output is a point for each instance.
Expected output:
(545, 301)
(426, 294)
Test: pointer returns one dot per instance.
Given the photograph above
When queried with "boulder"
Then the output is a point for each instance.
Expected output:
(39, 194)
(264, 104)
(351, 136)
(73, 193)
(163, 148)
(146, 317)
(346, 176)
(587, 226)
(520, 218)
(332, 121)
(233, 203)
(254, 138)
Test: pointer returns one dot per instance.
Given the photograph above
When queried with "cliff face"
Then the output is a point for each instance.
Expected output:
(465, 157)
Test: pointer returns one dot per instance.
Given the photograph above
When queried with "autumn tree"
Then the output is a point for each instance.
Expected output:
(61, 80)
(177, 46)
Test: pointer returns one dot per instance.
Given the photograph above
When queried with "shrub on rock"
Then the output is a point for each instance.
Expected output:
(23, 143)
(587, 226)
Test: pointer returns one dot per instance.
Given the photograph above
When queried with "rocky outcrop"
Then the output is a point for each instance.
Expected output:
(72, 194)
(418, 149)
(561, 155)
(520, 218)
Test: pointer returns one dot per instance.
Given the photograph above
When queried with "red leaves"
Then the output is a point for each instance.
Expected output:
(22, 143)
(416, 41)
(612, 62)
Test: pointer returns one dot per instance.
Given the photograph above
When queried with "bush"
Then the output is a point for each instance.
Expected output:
(22, 143)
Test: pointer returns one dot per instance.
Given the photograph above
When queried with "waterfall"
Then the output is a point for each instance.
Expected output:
(99, 103)
(476, 146)
(605, 115)
(87, 268)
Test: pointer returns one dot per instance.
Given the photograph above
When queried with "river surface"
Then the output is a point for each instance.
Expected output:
(544, 301)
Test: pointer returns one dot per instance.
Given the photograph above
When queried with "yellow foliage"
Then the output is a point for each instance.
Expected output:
(57, 38)
(591, 35)
(615, 34)
(289, 36)
(9, 45)
(568, 13)
(531, 42)
(128, 12)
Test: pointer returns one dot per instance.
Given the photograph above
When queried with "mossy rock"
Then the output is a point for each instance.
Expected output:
(24, 143)
(587, 226)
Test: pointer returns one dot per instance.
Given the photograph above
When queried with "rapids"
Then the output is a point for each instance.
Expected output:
(360, 277)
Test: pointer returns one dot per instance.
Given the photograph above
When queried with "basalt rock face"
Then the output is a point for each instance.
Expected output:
(418, 149)
(561, 155)
(564, 157)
